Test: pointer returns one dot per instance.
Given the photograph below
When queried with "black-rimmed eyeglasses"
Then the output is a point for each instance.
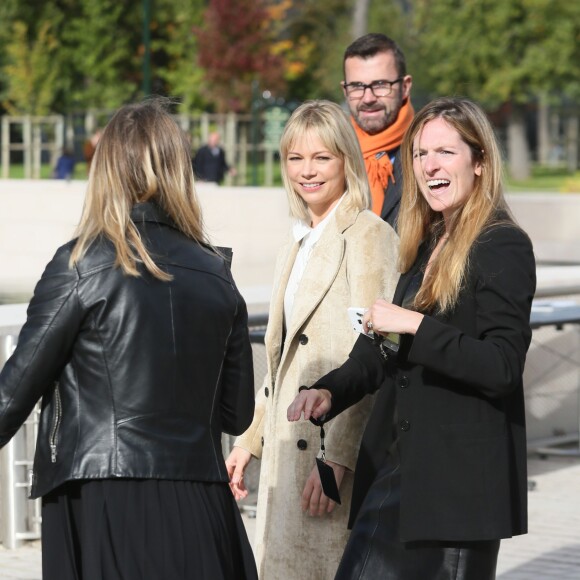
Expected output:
(378, 88)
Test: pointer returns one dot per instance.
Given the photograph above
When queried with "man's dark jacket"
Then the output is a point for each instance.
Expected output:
(393, 192)
(210, 167)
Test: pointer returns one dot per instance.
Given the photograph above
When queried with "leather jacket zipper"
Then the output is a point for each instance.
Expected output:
(55, 424)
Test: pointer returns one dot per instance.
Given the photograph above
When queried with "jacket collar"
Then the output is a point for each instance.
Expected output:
(345, 216)
(149, 211)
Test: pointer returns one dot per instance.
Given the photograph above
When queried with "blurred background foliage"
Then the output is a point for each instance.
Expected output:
(64, 55)
(512, 56)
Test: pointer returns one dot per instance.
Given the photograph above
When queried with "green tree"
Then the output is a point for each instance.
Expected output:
(321, 30)
(175, 49)
(29, 78)
(501, 53)
(33, 81)
(100, 54)
(93, 53)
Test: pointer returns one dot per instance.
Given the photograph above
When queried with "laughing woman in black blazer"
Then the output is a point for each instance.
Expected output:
(435, 494)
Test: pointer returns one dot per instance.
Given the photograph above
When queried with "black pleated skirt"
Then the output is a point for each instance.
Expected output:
(374, 550)
(129, 529)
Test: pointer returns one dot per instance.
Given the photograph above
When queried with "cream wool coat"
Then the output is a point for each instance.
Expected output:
(352, 264)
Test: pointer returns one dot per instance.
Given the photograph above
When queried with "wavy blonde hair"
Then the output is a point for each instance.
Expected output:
(484, 207)
(332, 126)
(142, 155)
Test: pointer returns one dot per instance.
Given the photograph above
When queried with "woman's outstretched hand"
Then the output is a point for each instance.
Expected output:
(312, 402)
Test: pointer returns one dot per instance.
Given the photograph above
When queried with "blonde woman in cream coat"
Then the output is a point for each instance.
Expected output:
(339, 254)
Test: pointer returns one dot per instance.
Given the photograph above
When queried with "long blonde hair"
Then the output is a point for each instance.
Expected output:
(142, 155)
(486, 204)
(330, 123)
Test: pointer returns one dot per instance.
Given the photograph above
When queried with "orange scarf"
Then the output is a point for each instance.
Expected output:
(379, 170)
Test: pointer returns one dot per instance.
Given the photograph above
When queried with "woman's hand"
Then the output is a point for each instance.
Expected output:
(312, 402)
(385, 317)
(236, 464)
(313, 499)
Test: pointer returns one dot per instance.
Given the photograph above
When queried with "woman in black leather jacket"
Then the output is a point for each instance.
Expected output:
(137, 342)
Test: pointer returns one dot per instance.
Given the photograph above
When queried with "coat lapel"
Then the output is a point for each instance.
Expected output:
(318, 277)
(274, 334)
(322, 268)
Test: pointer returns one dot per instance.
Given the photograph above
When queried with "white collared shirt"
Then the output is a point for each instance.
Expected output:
(307, 237)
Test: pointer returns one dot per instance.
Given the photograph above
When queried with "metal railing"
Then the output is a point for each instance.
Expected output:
(19, 517)
(554, 291)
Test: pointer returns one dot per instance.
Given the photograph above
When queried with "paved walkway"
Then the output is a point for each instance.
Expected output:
(551, 551)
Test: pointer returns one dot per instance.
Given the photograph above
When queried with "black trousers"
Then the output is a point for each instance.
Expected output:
(374, 552)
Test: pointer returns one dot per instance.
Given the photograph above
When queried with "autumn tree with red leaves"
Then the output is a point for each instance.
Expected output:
(235, 49)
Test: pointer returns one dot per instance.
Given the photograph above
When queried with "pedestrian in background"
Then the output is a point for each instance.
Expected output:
(90, 148)
(136, 340)
(65, 165)
(209, 163)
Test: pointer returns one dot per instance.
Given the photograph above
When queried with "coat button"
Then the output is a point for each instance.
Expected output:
(302, 444)
(262, 440)
(267, 391)
(405, 425)
(303, 339)
(403, 382)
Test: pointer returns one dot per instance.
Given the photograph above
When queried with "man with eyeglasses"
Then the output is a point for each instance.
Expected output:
(377, 90)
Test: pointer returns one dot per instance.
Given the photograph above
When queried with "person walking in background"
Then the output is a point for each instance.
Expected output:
(209, 163)
(136, 340)
(377, 89)
(338, 255)
(90, 147)
(65, 165)
(438, 498)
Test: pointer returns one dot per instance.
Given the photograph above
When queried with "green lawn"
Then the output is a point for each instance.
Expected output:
(542, 179)
(547, 179)
(259, 174)
(17, 171)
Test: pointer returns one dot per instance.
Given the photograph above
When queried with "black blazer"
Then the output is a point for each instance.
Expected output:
(138, 377)
(458, 392)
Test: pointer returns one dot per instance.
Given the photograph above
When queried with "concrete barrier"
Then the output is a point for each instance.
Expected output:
(551, 220)
(37, 216)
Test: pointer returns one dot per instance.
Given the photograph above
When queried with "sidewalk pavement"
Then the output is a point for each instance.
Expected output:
(551, 551)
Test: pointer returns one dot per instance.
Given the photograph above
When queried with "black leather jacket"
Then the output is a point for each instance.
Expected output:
(138, 377)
